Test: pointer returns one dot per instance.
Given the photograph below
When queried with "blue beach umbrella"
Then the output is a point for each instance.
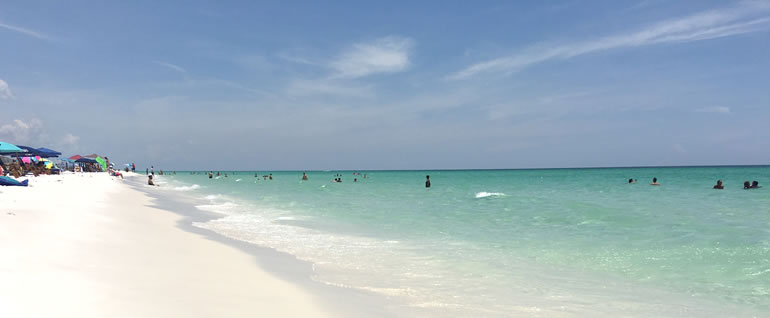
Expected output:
(48, 152)
(9, 148)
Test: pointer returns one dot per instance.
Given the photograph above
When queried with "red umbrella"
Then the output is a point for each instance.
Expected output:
(75, 157)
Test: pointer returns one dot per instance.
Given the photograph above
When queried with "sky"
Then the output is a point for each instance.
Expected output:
(255, 85)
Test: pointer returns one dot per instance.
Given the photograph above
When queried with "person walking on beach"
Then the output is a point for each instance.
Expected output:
(719, 185)
(655, 182)
(427, 181)
(152, 170)
(133, 167)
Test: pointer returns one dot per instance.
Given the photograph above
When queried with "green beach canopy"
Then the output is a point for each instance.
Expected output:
(7, 148)
(101, 162)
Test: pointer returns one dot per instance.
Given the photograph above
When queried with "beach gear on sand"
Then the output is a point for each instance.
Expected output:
(7, 181)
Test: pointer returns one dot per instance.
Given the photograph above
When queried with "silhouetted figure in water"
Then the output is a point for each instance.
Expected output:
(755, 185)
(304, 176)
(746, 185)
(655, 182)
(427, 181)
(719, 185)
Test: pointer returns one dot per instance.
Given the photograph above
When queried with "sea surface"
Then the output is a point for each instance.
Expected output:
(500, 243)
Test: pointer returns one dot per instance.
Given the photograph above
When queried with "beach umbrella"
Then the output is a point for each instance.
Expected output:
(101, 162)
(48, 152)
(75, 157)
(9, 148)
(26, 160)
(28, 151)
(92, 156)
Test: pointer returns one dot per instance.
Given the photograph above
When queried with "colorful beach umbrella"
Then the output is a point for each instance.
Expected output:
(101, 162)
(9, 148)
(75, 157)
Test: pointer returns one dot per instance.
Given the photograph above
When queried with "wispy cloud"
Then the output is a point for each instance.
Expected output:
(329, 88)
(5, 91)
(70, 139)
(25, 31)
(746, 18)
(171, 66)
(715, 109)
(385, 55)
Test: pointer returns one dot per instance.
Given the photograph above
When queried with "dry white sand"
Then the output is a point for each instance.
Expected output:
(88, 245)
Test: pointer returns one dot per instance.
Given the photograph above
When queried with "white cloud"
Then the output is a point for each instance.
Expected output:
(70, 139)
(385, 55)
(5, 91)
(746, 18)
(22, 132)
(25, 31)
(329, 88)
(171, 66)
(715, 109)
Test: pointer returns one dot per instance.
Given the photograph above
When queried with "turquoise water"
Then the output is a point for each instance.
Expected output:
(551, 243)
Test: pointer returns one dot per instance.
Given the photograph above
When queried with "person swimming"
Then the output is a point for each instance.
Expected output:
(631, 181)
(655, 182)
(719, 185)
(755, 184)
(746, 185)
(427, 181)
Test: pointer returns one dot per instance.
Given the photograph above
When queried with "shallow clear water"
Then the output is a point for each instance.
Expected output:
(559, 242)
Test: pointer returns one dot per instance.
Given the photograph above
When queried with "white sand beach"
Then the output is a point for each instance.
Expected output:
(88, 245)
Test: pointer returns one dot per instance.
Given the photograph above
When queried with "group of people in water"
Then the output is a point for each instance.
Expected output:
(719, 186)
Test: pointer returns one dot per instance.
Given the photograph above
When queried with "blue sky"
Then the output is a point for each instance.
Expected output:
(391, 85)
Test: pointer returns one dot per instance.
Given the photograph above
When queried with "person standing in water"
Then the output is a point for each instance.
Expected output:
(427, 181)
(719, 185)
(304, 176)
(655, 182)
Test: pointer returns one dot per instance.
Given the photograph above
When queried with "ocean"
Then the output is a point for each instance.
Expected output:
(500, 243)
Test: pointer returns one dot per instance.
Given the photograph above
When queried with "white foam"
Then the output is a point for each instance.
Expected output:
(212, 197)
(488, 194)
(224, 208)
(238, 180)
(187, 188)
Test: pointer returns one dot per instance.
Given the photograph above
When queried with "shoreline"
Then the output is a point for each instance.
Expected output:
(349, 302)
(91, 245)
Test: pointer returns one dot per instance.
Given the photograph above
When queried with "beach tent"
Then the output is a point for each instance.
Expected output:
(86, 160)
(9, 148)
(75, 157)
(48, 152)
